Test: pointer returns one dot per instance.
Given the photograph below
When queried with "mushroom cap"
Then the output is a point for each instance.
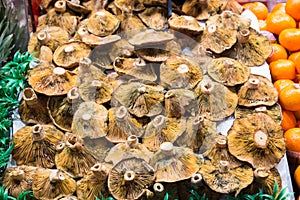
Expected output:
(35, 145)
(228, 71)
(121, 48)
(186, 24)
(140, 99)
(94, 41)
(100, 56)
(257, 139)
(66, 197)
(90, 120)
(46, 54)
(102, 23)
(129, 6)
(196, 8)
(131, 26)
(223, 180)
(51, 81)
(69, 54)
(129, 178)
(174, 164)
(257, 91)
(50, 183)
(155, 18)
(150, 37)
(77, 7)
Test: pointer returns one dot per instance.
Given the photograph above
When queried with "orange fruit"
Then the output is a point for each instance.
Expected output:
(290, 39)
(283, 69)
(292, 8)
(259, 9)
(289, 97)
(292, 139)
(295, 57)
(282, 83)
(277, 22)
(262, 25)
(288, 120)
(280, 7)
(297, 177)
(278, 52)
(297, 114)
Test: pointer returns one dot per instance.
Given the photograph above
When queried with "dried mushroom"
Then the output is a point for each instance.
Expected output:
(185, 24)
(46, 54)
(228, 71)
(121, 125)
(18, 179)
(75, 6)
(220, 178)
(72, 157)
(150, 38)
(97, 91)
(155, 18)
(173, 164)
(52, 81)
(66, 197)
(130, 178)
(129, 6)
(215, 99)
(61, 109)
(163, 129)
(257, 139)
(102, 23)
(121, 48)
(69, 54)
(257, 91)
(196, 8)
(88, 72)
(128, 149)
(35, 145)
(51, 183)
(94, 183)
(99, 147)
(90, 120)
(140, 99)
(135, 67)
(33, 108)
(132, 25)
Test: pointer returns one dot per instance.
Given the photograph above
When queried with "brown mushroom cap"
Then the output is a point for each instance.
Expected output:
(228, 71)
(35, 145)
(33, 108)
(76, 7)
(88, 72)
(132, 25)
(121, 48)
(50, 183)
(66, 197)
(185, 24)
(102, 23)
(46, 54)
(196, 8)
(90, 120)
(155, 18)
(257, 91)
(69, 54)
(224, 180)
(129, 6)
(173, 164)
(150, 37)
(257, 139)
(129, 178)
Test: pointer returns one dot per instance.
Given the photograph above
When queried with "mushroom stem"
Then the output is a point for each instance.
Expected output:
(228, 63)
(43, 37)
(167, 148)
(38, 133)
(75, 2)
(69, 49)
(169, 94)
(253, 83)
(97, 84)
(82, 32)
(159, 121)
(29, 96)
(261, 174)
(224, 166)
(183, 68)
(139, 62)
(17, 174)
(73, 95)
(74, 143)
(142, 90)
(129, 175)
(126, 52)
(261, 139)
(212, 28)
(262, 109)
(221, 142)
(60, 146)
(227, 14)
(207, 88)
(84, 64)
(132, 141)
(121, 112)
(196, 181)
(158, 188)
(86, 117)
(100, 171)
(59, 71)
(56, 176)
(60, 6)
(243, 35)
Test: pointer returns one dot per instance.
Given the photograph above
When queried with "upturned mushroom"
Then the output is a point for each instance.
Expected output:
(130, 178)
(174, 164)
(155, 18)
(122, 125)
(72, 157)
(90, 120)
(150, 37)
(33, 108)
(257, 91)
(185, 24)
(257, 139)
(35, 145)
(87, 71)
(93, 183)
(75, 6)
(51, 183)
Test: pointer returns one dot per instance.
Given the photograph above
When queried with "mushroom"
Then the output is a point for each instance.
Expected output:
(33, 108)
(196, 8)
(66, 197)
(75, 6)
(90, 120)
(163, 129)
(131, 25)
(35, 145)
(51, 183)
(257, 139)
(69, 54)
(234, 6)
(72, 157)
(135, 67)
(150, 37)
(61, 109)
(130, 178)
(140, 99)
(121, 125)
(129, 6)
(18, 179)
(155, 18)
(174, 164)
(228, 71)
(215, 99)
(257, 91)
(51, 81)
(220, 178)
(121, 48)
(88, 72)
(128, 149)
(181, 103)
(185, 24)
(46, 54)
(94, 183)
(97, 91)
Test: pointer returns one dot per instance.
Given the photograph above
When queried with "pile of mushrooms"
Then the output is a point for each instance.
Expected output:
(126, 100)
